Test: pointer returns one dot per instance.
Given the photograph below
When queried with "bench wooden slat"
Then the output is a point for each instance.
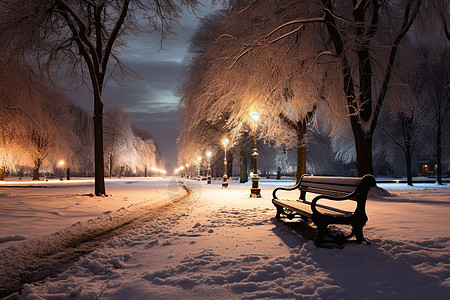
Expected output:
(304, 208)
(353, 181)
(326, 187)
(301, 207)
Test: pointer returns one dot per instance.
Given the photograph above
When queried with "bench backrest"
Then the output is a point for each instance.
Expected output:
(334, 186)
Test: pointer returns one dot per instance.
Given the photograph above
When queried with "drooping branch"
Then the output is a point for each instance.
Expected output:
(293, 22)
(408, 19)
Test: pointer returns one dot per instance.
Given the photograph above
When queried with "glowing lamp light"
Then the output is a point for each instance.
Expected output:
(225, 142)
(208, 153)
(61, 163)
(254, 115)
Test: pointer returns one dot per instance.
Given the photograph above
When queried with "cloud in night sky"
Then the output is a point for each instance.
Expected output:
(151, 102)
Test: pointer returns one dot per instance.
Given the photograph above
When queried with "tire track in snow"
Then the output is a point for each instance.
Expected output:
(50, 255)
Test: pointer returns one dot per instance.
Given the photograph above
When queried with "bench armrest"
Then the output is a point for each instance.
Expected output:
(360, 194)
(317, 198)
(288, 188)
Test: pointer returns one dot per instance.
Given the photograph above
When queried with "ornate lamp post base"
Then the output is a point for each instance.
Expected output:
(225, 181)
(255, 191)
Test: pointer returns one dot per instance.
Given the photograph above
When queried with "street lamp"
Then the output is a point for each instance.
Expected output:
(199, 159)
(61, 165)
(208, 170)
(187, 169)
(225, 142)
(255, 191)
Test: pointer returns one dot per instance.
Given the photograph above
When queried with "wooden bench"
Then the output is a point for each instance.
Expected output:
(328, 188)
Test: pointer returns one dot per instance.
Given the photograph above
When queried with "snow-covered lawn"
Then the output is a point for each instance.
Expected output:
(218, 243)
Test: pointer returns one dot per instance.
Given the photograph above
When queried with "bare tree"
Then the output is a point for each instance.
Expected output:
(146, 148)
(219, 91)
(87, 34)
(36, 123)
(119, 141)
(360, 39)
(439, 91)
(82, 159)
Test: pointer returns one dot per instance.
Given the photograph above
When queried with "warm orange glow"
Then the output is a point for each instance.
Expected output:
(225, 141)
(255, 116)
(61, 163)
(208, 153)
(159, 170)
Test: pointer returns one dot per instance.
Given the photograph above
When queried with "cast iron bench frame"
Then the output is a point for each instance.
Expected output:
(329, 188)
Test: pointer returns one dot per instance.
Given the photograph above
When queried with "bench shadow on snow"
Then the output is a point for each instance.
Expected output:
(366, 270)
(301, 228)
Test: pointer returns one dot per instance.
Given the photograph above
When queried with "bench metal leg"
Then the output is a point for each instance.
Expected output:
(279, 211)
(359, 235)
(322, 223)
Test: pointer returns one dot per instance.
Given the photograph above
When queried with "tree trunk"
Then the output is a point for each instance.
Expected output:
(229, 164)
(36, 173)
(301, 150)
(439, 154)
(363, 144)
(98, 145)
(68, 173)
(2, 173)
(110, 166)
(37, 165)
(408, 167)
(243, 166)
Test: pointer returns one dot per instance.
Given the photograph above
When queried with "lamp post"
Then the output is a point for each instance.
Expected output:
(208, 170)
(225, 176)
(255, 191)
(61, 165)
(199, 159)
(187, 171)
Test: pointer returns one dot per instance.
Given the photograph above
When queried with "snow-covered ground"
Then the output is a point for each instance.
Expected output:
(213, 243)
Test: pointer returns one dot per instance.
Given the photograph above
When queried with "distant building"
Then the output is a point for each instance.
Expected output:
(427, 168)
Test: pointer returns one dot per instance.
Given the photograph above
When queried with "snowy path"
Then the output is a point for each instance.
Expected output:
(220, 244)
(49, 255)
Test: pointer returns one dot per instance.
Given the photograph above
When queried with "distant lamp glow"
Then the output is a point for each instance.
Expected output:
(61, 165)
(225, 142)
(255, 191)
(208, 170)
(156, 170)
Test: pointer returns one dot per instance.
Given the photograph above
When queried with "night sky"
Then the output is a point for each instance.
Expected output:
(151, 102)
